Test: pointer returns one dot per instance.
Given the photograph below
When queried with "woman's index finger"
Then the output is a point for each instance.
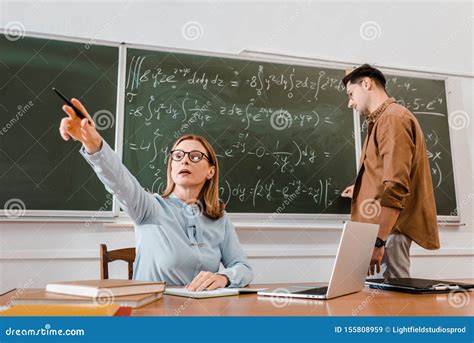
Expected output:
(81, 107)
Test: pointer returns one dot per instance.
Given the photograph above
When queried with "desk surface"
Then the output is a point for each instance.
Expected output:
(369, 302)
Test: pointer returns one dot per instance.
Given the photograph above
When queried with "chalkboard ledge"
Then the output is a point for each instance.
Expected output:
(254, 226)
(269, 221)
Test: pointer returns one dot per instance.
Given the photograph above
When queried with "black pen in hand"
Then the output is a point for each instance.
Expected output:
(76, 110)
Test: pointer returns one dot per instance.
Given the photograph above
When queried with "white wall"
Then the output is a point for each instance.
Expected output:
(424, 36)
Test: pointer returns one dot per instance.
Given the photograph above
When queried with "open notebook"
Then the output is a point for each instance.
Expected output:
(221, 292)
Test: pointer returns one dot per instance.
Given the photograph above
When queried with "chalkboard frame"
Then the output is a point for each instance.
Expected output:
(76, 215)
(278, 220)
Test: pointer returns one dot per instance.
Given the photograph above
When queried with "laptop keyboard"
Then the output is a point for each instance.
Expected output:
(315, 291)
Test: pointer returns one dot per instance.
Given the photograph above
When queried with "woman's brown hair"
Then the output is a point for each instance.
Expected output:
(212, 207)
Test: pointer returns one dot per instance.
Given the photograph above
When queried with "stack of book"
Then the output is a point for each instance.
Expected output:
(103, 296)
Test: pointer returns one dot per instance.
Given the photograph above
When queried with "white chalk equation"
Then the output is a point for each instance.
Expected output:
(283, 160)
(435, 155)
(278, 129)
(188, 110)
(145, 70)
(269, 123)
(321, 191)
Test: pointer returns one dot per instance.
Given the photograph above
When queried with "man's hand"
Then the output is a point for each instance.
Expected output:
(376, 260)
(83, 130)
(207, 281)
(348, 192)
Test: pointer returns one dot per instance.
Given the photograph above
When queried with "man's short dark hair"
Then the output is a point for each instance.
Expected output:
(365, 70)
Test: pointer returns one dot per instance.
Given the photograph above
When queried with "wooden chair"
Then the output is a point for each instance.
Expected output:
(126, 254)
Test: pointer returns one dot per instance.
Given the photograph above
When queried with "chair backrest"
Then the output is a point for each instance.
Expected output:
(126, 254)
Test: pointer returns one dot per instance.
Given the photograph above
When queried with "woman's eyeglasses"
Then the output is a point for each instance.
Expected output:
(194, 156)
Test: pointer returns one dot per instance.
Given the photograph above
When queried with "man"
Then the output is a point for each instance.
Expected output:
(393, 187)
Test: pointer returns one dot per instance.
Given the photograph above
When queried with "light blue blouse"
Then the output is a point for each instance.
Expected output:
(174, 241)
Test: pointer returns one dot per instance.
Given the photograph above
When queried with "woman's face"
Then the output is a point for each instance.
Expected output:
(189, 174)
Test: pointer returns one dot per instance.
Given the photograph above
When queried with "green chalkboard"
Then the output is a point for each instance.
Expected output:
(426, 99)
(283, 133)
(38, 170)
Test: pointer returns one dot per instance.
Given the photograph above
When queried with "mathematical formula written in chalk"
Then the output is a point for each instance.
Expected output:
(283, 133)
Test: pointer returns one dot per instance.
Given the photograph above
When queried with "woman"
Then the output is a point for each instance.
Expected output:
(183, 235)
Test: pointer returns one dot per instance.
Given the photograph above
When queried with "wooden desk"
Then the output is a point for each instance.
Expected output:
(369, 302)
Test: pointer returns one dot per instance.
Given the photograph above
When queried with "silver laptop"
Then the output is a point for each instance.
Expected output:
(350, 268)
